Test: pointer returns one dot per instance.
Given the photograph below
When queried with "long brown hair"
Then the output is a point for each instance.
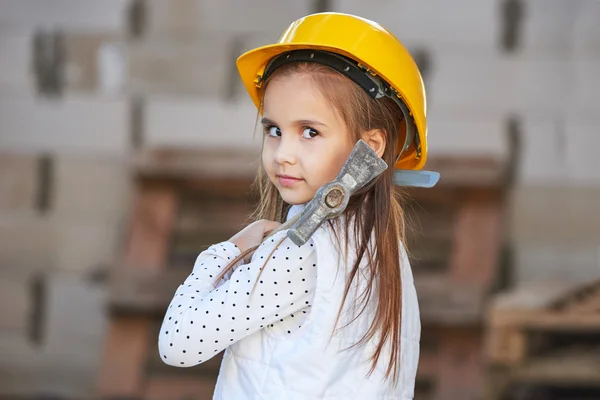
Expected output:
(375, 209)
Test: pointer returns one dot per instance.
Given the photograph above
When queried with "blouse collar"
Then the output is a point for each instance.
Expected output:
(295, 210)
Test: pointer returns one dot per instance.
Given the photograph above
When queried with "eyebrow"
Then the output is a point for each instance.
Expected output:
(301, 122)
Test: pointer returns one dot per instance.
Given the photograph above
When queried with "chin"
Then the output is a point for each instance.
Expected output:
(293, 198)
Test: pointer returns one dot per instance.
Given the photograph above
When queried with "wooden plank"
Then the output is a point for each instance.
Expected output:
(444, 196)
(496, 383)
(531, 297)
(128, 341)
(575, 366)
(430, 255)
(542, 305)
(478, 238)
(460, 365)
(470, 171)
(424, 388)
(151, 225)
(170, 387)
(207, 219)
(583, 299)
(590, 305)
(551, 321)
(135, 291)
(506, 345)
(431, 220)
(428, 366)
(449, 303)
(212, 213)
(212, 166)
(514, 315)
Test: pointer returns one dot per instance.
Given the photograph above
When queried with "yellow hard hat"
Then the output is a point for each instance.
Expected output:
(364, 51)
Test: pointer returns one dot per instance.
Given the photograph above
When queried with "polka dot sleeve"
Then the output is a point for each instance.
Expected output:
(202, 320)
(208, 266)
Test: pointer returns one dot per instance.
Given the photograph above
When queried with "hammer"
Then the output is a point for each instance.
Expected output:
(361, 167)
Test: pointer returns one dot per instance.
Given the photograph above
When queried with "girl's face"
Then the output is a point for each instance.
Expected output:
(306, 142)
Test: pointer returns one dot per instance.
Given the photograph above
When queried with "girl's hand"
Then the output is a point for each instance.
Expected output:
(253, 234)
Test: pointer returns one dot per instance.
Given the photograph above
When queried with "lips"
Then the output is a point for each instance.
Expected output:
(286, 180)
(288, 177)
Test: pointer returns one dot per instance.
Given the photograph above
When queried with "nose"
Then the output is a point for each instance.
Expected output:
(285, 153)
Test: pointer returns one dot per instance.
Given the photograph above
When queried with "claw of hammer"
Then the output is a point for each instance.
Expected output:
(361, 167)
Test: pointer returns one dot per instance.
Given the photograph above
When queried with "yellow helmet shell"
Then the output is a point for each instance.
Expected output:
(367, 43)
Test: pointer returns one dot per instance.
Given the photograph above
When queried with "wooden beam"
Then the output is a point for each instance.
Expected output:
(575, 366)
(584, 298)
(126, 351)
(550, 321)
(428, 366)
(175, 163)
(137, 291)
(460, 365)
(147, 245)
(477, 242)
(173, 387)
(151, 225)
(475, 171)
(541, 306)
(505, 345)
(449, 303)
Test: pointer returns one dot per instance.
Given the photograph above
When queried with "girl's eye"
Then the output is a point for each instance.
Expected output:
(273, 131)
(309, 133)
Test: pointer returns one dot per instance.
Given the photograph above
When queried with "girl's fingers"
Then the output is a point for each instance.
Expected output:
(270, 227)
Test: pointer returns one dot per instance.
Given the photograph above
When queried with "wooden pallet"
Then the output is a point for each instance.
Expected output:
(183, 200)
(456, 248)
(179, 209)
(546, 334)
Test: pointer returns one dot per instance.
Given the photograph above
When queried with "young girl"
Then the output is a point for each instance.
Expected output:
(338, 317)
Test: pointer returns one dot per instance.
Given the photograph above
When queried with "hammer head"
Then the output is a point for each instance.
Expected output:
(361, 167)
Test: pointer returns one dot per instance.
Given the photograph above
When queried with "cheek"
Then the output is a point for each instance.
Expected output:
(267, 156)
(339, 160)
(326, 164)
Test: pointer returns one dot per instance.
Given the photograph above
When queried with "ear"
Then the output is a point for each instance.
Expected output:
(376, 139)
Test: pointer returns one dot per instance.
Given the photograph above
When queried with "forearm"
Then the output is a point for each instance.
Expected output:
(196, 327)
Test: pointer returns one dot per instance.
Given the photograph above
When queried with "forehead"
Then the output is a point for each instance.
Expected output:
(294, 97)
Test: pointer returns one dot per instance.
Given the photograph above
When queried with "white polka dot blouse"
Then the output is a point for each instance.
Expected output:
(203, 320)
